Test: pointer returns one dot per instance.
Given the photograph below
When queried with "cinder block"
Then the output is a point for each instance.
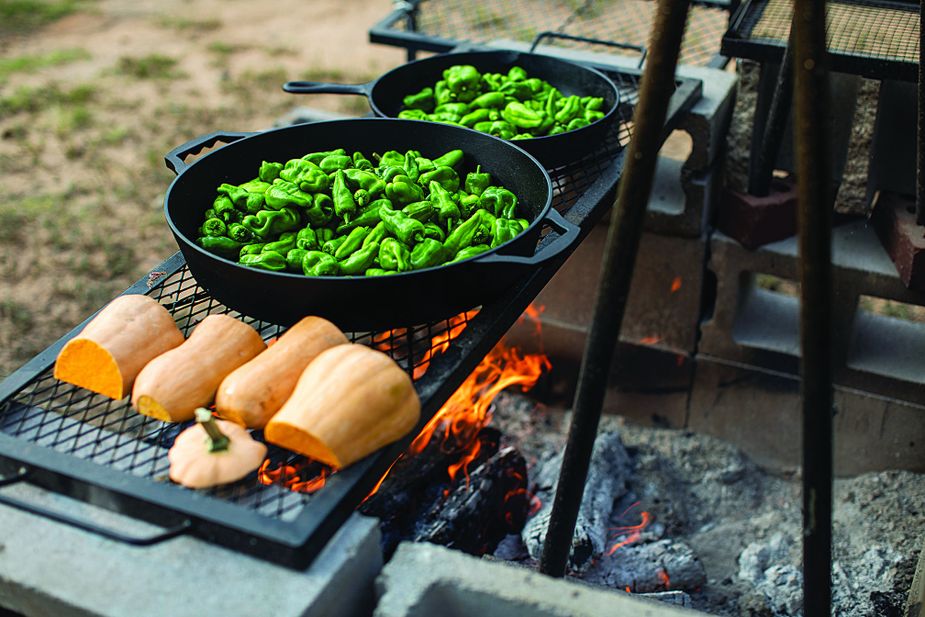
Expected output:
(758, 327)
(760, 412)
(424, 580)
(664, 303)
(47, 568)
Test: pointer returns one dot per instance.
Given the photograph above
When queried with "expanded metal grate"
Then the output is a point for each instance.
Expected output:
(874, 38)
(76, 423)
(619, 21)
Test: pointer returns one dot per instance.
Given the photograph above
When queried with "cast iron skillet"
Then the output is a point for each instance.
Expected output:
(385, 94)
(361, 303)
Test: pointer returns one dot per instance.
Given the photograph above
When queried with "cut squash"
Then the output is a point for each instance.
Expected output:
(252, 393)
(175, 383)
(111, 350)
(349, 402)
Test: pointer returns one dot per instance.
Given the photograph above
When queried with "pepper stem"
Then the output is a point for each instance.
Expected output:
(218, 441)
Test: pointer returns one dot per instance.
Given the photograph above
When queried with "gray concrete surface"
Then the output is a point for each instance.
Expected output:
(47, 568)
(424, 580)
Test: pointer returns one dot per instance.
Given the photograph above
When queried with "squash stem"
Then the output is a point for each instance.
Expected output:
(218, 441)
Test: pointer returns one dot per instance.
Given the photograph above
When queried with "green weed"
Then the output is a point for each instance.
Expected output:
(21, 15)
(34, 99)
(152, 66)
(33, 62)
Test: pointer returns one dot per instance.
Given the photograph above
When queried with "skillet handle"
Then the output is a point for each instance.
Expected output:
(174, 158)
(568, 233)
(320, 87)
(548, 34)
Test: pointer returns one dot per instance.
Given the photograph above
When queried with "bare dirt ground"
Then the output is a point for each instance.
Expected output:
(93, 94)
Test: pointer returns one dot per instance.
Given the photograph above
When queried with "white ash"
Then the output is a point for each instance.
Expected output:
(707, 494)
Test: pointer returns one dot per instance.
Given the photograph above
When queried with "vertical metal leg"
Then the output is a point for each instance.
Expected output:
(762, 171)
(815, 221)
(920, 134)
(618, 261)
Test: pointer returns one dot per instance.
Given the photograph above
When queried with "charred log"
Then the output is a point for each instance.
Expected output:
(478, 514)
(651, 567)
(607, 477)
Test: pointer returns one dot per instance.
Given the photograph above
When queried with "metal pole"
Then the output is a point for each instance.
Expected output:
(814, 188)
(617, 269)
(920, 129)
(761, 173)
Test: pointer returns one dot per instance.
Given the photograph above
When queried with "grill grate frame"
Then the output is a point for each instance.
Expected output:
(877, 39)
(439, 25)
(87, 446)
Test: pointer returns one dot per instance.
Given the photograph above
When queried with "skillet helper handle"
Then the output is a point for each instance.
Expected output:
(549, 34)
(320, 87)
(174, 158)
(568, 233)
(73, 521)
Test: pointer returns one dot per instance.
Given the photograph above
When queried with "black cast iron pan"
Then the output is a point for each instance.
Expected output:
(361, 303)
(386, 92)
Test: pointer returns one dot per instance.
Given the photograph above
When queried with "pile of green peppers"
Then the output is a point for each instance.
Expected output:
(512, 106)
(333, 213)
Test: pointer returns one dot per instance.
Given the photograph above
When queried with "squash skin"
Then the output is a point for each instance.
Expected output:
(193, 466)
(253, 392)
(349, 402)
(175, 383)
(112, 349)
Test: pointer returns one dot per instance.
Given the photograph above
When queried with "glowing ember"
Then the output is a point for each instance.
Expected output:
(632, 532)
(650, 340)
(676, 285)
(663, 578)
(291, 476)
(628, 590)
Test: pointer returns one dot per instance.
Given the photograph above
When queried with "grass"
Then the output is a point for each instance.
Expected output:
(20, 16)
(152, 66)
(34, 62)
(26, 99)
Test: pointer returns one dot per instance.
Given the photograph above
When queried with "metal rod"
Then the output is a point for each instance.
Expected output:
(761, 173)
(658, 84)
(920, 128)
(814, 188)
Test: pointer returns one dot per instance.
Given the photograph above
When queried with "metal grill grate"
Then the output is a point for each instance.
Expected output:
(622, 21)
(77, 423)
(874, 38)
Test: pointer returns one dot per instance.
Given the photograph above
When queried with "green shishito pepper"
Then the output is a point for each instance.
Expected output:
(402, 226)
(317, 263)
(509, 105)
(270, 222)
(393, 255)
(427, 253)
(269, 260)
(408, 212)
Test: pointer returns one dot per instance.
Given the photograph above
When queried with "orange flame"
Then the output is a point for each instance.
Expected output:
(441, 342)
(467, 411)
(634, 531)
(676, 285)
(628, 590)
(289, 476)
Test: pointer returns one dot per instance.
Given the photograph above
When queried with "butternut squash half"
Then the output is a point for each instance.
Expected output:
(114, 346)
(175, 383)
(349, 402)
(252, 393)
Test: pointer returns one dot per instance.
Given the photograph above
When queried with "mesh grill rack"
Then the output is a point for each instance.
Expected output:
(90, 447)
(874, 38)
(440, 25)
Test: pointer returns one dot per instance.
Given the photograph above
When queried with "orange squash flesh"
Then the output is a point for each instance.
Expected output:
(111, 350)
(349, 402)
(174, 384)
(253, 392)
